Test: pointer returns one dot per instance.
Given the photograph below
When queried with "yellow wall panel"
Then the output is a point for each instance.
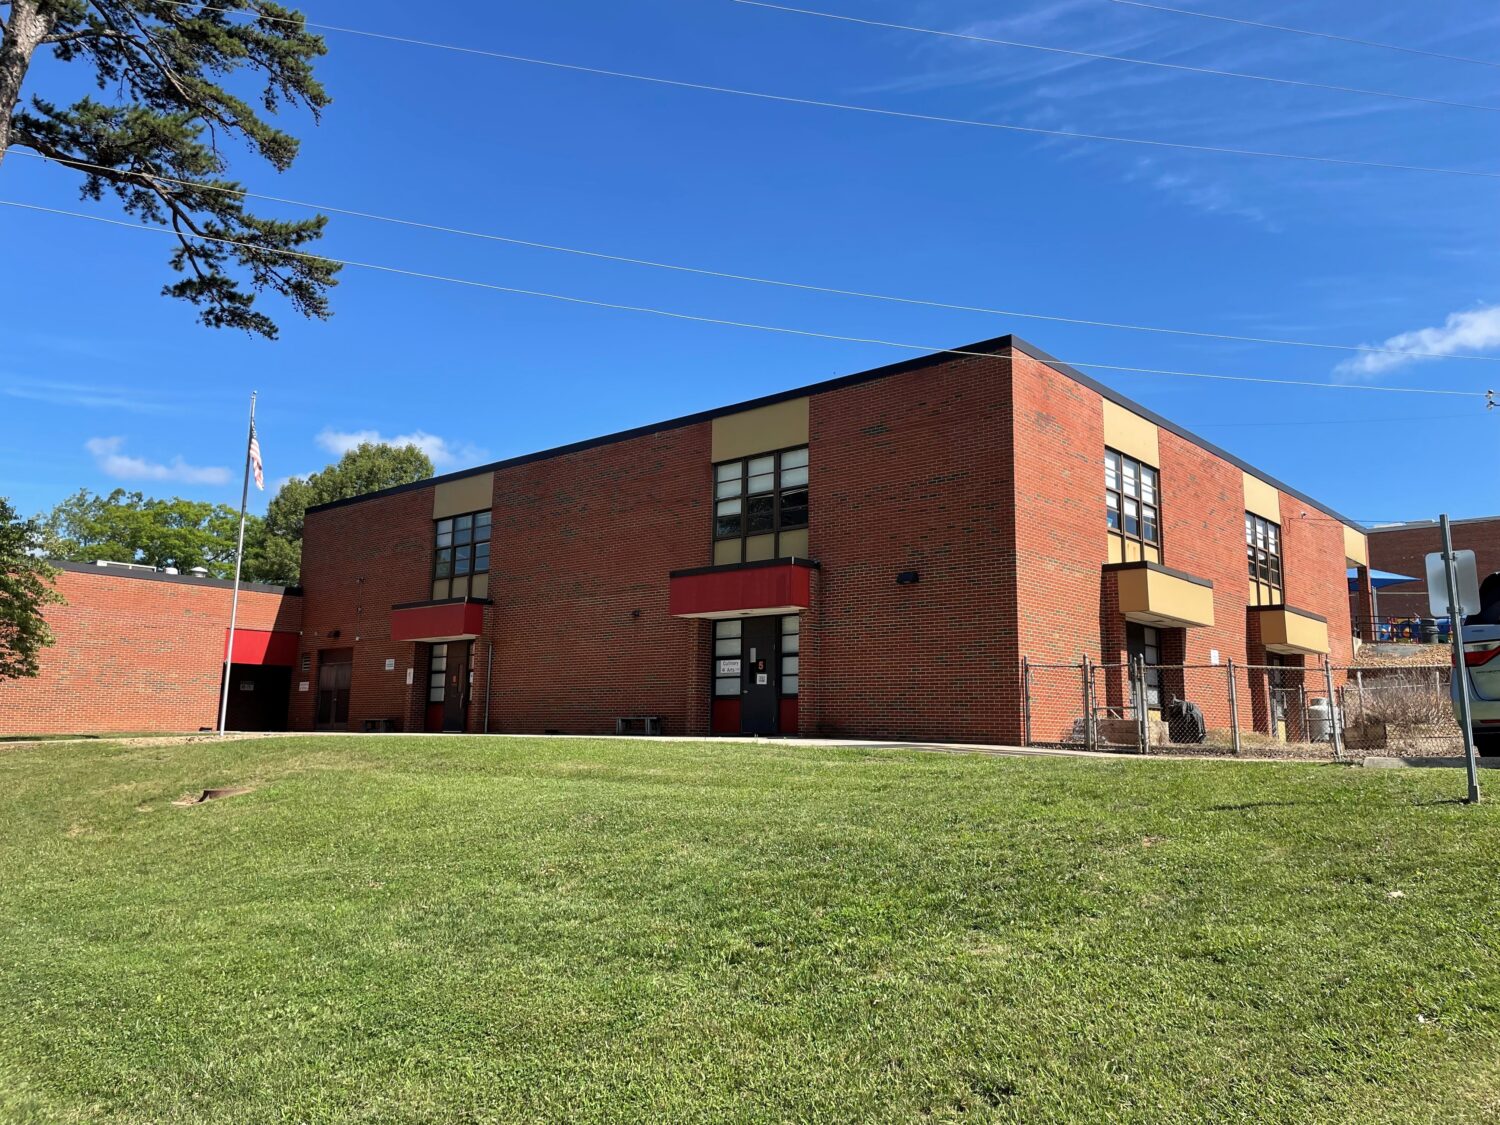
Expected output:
(1262, 499)
(758, 547)
(726, 552)
(778, 426)
(457, 497)
(794, 544)
(1131, 434)
(1356, 549)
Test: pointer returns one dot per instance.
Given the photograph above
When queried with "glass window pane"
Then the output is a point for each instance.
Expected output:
(444, 563)
(445, 527)
(762, 510)
(727, 488)
(1148, 485)
(727, 686)
(730, 470)
(481, 557)
(760, 465)
(461, 562)
(1132, 517)
(445, 539)
(727, 646)
(1129, 468)
(1112, 510)
(727, 521)
(728, 628)
(794, 459)
(793, 478)
(788, 665)
(794, 508)
(460, 522)
(482, 525)
(1112, 470)
(789, 685)
(461, 536)
(791, 643)
(1249, 529)
(791, 625)
(1148, 524)
(763, 483)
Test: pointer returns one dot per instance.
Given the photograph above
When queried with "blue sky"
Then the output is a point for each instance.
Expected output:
(105, 383)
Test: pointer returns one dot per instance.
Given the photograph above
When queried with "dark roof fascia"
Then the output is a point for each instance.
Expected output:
(180, 579)
(996, 346)
(1187, 435)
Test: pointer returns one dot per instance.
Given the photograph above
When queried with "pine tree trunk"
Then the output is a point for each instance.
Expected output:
(26, 29)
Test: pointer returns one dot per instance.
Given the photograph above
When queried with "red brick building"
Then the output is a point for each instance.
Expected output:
(1403, 548)
(873, 555)
(139, 650)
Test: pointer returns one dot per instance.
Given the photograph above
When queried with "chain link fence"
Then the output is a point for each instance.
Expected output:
(1282, 710)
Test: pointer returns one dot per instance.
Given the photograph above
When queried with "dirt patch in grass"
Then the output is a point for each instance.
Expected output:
(212, 795)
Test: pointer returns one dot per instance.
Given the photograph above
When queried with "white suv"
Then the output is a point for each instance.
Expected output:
(1482, 665)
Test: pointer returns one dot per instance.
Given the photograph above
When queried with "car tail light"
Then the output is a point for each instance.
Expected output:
(1478, 657)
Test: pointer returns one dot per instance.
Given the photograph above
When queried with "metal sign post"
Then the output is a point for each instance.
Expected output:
(1462, 589)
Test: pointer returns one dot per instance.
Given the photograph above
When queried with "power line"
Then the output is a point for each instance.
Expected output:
(1203, 70)
(1305, 31)
(802, 286)
(905, 115)
(723, 322)
(1337, 421)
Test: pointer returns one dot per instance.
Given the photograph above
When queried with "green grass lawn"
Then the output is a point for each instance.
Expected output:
(441, 930)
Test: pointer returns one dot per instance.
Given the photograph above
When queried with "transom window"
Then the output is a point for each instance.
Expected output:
(763, 495)
(791, 646)
(1263, 552)
(1131, 499)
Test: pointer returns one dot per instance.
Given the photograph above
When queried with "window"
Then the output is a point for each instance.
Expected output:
(437, 672)
(1263, 554)
(461, 548)
(763, 495)
(1132, 499)
(1143, 642)
(791, 644)
(727, 636)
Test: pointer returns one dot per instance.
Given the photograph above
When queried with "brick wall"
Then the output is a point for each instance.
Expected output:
(581, 546)
(1403, 550)
(136, 652)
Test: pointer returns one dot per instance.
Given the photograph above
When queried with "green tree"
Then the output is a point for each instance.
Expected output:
(25, 590)
(277, 554)
(165, 68)
(130, 527)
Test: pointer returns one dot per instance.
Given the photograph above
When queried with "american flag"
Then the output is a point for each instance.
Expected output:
(260, 472)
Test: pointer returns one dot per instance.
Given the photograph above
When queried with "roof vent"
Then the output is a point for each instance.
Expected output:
(199, 572)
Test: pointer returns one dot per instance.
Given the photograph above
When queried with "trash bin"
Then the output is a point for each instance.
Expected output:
(1429, 631)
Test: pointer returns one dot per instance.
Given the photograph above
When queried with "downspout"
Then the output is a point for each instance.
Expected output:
(489, 685)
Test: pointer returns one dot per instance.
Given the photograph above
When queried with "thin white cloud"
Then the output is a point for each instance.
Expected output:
(111, 461)
(119, 397)
(1471, 330)
(442, 451)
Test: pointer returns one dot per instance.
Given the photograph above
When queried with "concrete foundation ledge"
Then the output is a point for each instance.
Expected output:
(1456, 763)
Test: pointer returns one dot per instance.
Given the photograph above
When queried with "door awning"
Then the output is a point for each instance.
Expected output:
(455, 619)
(776, 586)
(1152, 594)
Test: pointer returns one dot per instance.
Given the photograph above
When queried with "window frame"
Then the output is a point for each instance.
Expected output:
(778, 491)
(1272, 558)
(1120, 496)
(470, 547)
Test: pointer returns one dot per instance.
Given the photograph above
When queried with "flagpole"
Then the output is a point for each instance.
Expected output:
(239, 558)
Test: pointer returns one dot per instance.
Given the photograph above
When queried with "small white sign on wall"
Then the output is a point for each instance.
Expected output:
(729, 667)
(302, 686)
(390, 663)
(1213, 656)
(410, 673)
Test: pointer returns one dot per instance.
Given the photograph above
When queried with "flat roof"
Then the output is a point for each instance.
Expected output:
(1375, 528)
(118, 571)
(995, 346)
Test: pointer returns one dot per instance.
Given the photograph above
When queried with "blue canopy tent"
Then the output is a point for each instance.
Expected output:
(1379, 579)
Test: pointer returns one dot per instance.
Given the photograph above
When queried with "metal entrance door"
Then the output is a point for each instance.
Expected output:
(335, 674)
(759, 688)
(456, 690)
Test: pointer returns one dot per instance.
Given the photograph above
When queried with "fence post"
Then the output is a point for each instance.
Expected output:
(1234, 709)
(1333, 714)
(1359, 687)
(1143, 706)
(1089, 741)
(1025, 701)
